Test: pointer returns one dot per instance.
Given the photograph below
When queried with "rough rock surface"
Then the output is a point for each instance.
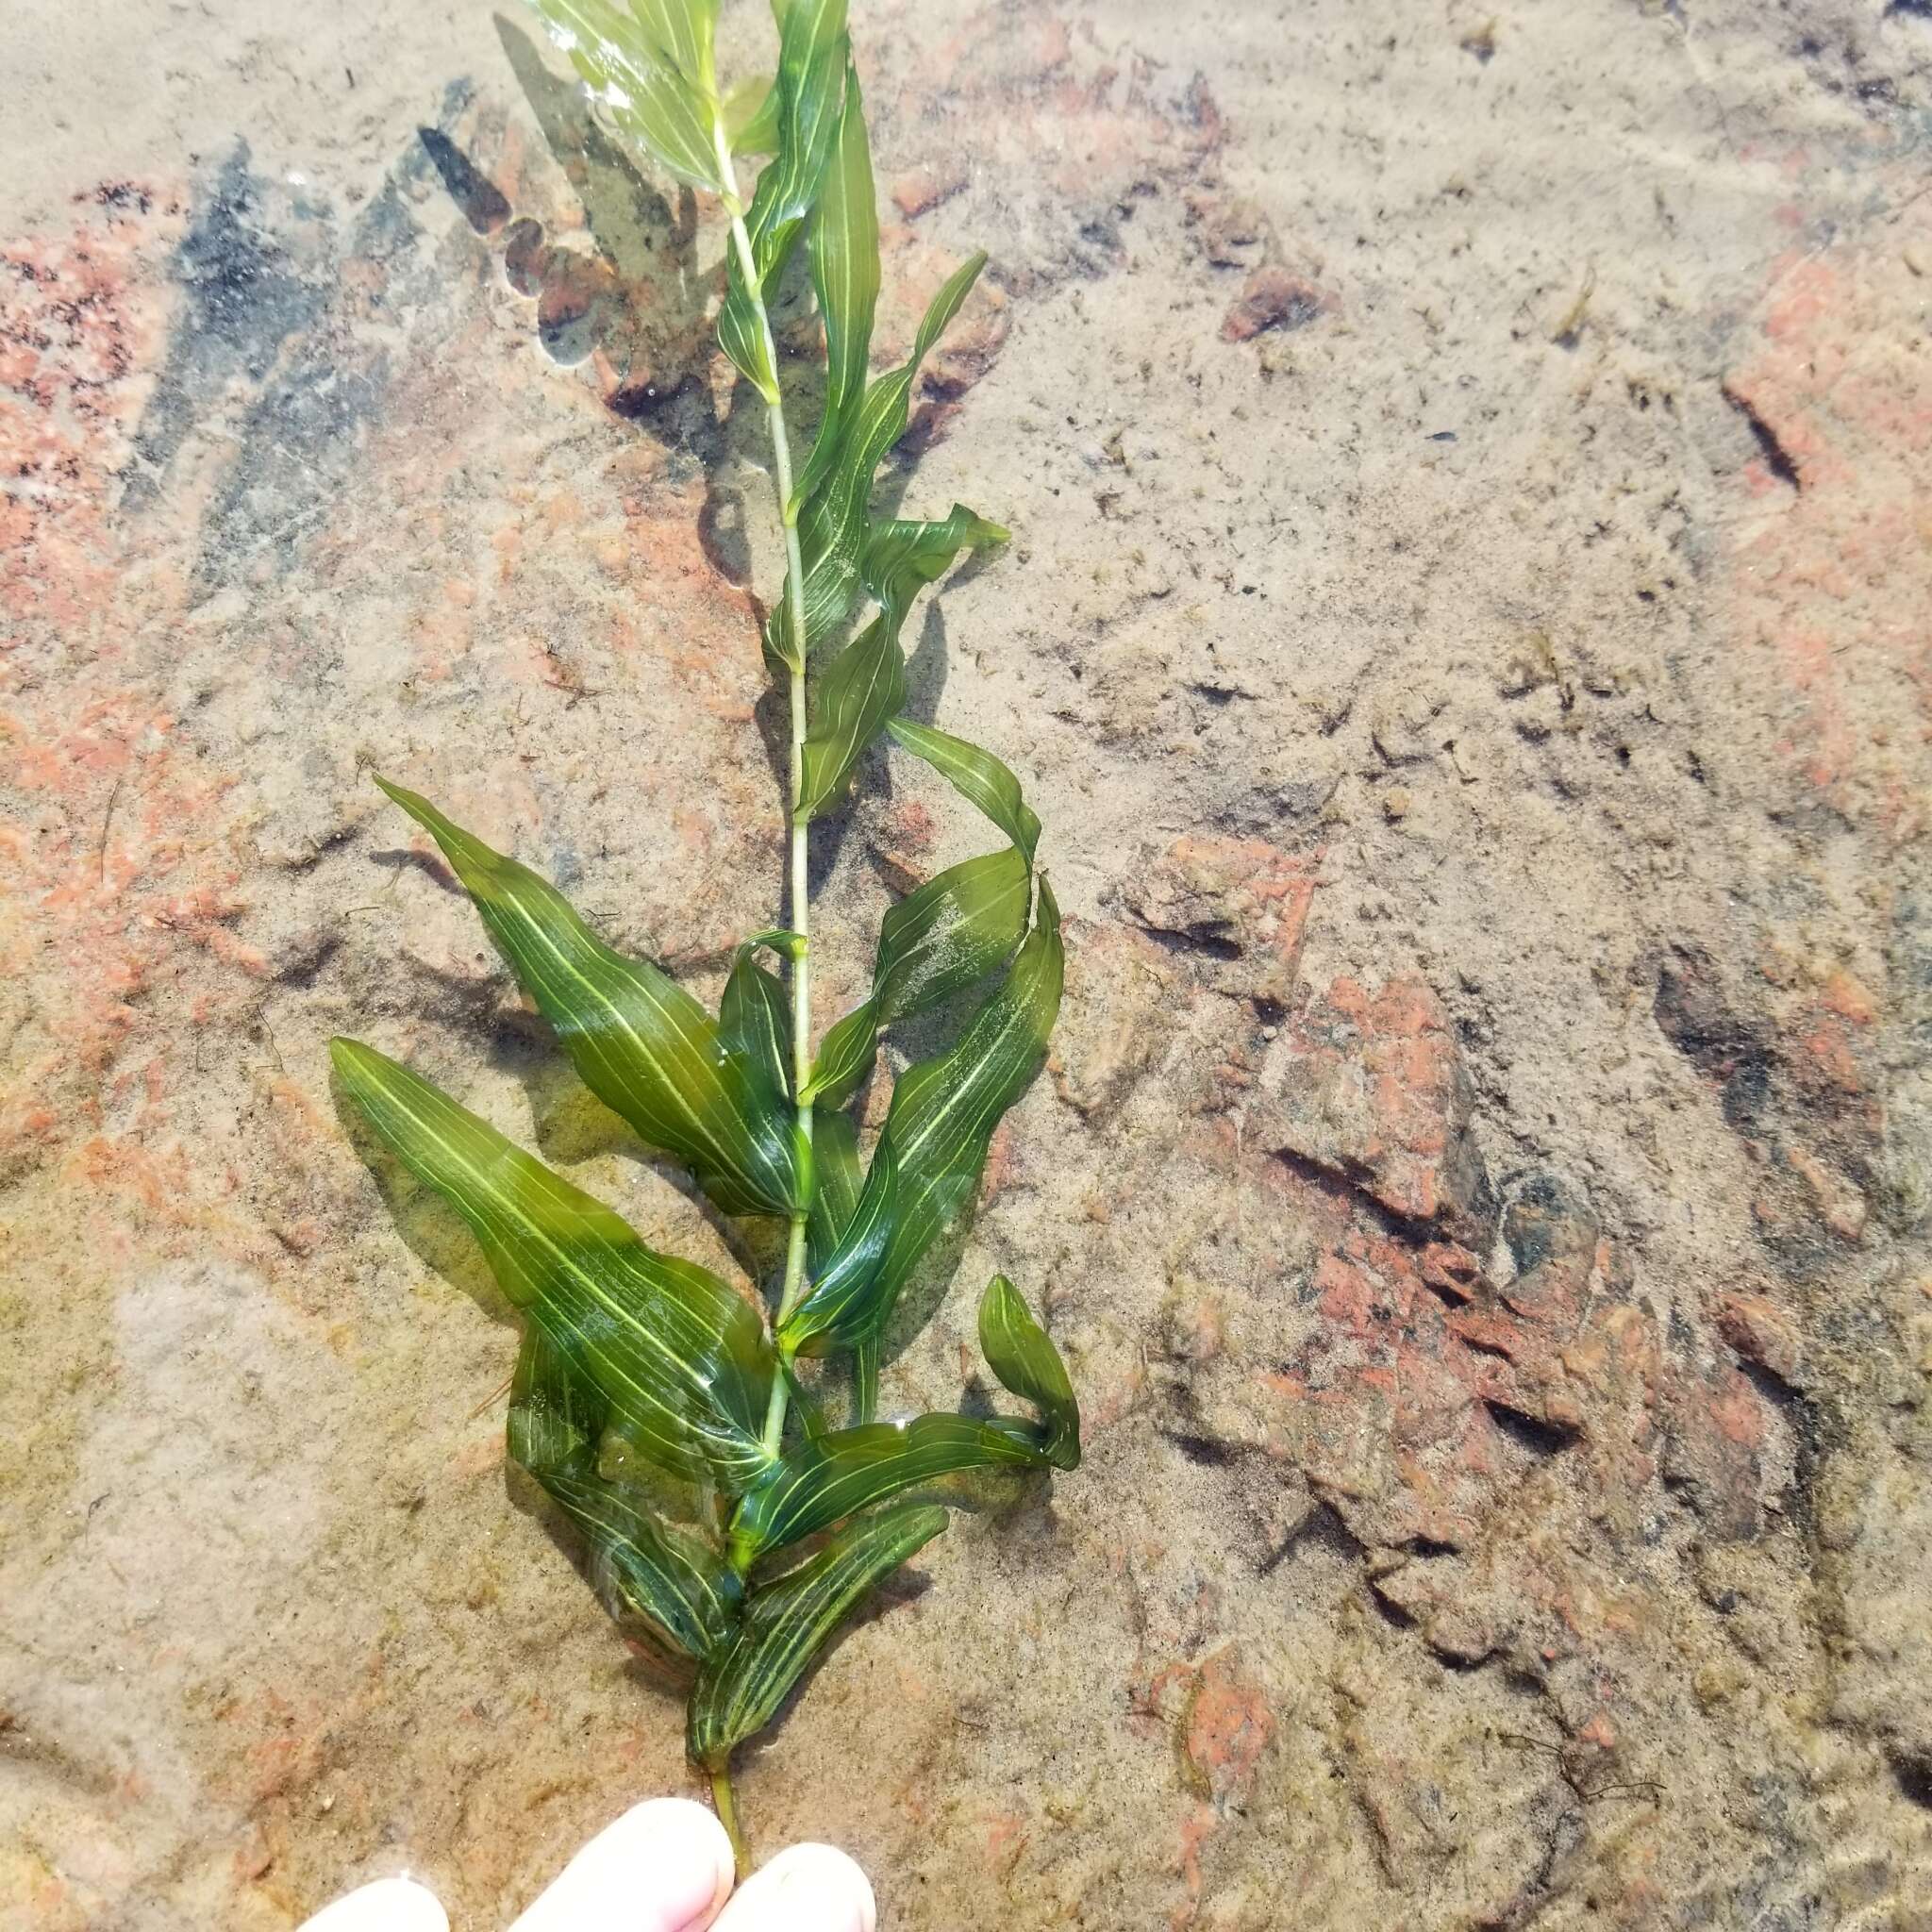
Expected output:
(1467, 637)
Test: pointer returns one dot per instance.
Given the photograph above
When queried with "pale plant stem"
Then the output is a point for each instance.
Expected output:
(723, 1797)
(800, 895)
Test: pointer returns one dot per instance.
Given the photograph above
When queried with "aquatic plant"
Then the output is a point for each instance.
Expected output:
(727, 1523)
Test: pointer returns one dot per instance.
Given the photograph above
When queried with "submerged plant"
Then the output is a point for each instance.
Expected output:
(727, 1523)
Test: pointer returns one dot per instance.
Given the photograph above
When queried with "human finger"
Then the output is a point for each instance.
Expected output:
(664, 1866)
(804, 1889)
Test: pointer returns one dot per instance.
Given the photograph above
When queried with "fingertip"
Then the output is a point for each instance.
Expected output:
(664, 1866)
(807, 1887)
(646, 1829)
(388, 1905)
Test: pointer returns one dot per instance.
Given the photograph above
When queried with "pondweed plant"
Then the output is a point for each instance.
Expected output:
(727, 1525)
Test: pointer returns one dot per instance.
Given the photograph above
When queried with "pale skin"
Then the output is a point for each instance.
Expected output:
(665, 1866)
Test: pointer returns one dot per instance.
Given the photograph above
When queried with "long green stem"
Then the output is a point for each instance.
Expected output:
(723, 1797)
(800, 910)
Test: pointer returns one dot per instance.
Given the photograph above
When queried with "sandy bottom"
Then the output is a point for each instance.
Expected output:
(1466, 634)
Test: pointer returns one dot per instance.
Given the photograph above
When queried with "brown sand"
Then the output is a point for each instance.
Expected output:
(1466, 634)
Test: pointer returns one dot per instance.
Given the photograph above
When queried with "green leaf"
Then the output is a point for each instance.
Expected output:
(854, 1262)
(943, 936)
(836, 1199)
(755, 1025)
(953, 929)
(638, 87)
(866, 683)
(813, 55)
(1021, 1353)
(845, 1056)
(641, 1044)
(742, 1684)
(682, 32)
(670, 1581)
(750, 110)
(555, 1419)
(818, 1484)
(865, 1378)
(782, 940)
(846, 277)
(841, 1180)
(944, 1113)
(832, 521)
(681, 1360)
(976, 775)
(812, 52)
(804, 1403)
(666, 1578)
(744, 338)
(863, 687)
(901, 558)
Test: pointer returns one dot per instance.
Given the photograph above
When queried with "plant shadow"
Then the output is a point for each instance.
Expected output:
(639, 302)
(650, 304)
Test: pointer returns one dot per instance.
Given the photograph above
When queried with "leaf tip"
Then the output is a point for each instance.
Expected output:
(413, 803)
(999, 1292)
(349, 1056)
